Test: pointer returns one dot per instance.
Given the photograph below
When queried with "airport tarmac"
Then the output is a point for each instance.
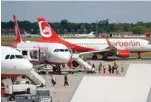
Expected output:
(60, 93)
(64, 94)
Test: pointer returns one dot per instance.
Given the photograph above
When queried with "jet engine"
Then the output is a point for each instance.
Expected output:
(123, 53)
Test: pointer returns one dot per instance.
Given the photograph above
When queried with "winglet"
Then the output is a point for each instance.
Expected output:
(108, 42)
(17, 31)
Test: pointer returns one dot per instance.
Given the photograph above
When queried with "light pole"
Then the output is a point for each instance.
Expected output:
(96, 27)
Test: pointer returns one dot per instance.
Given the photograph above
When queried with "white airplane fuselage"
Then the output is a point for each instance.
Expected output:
(133, 45)
(12, 63)
(56, 57)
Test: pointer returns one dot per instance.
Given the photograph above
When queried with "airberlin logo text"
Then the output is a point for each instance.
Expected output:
(130, 43)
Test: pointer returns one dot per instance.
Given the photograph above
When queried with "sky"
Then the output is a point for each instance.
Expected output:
(78, 11)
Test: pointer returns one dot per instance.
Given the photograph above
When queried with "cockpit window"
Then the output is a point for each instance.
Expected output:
(7, 57)
(66, 50)
(19, 56)
(56, 50)
(12, 57)
(61, 50)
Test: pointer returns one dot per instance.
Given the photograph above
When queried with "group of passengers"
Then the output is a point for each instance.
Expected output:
(110, 69)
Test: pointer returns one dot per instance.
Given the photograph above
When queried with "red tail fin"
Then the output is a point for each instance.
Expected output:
(17, 31)
(47, 33)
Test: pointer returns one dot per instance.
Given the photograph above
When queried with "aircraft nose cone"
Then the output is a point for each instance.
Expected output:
(29, 66)
(66, 58)
(26, 65)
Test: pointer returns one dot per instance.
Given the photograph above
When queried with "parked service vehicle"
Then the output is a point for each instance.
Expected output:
(12, 90)
(4, 99)
(44, 94)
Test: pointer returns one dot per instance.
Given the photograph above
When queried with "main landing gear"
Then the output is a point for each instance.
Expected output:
(94, 57)
(104, 58)
(139, 55)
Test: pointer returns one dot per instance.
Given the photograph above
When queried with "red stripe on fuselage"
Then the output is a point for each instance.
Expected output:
(10, 75)
(74, 47)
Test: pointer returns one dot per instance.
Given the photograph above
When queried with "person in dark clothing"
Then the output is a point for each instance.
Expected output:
(59, 69)
(109, 68)
(113, 69)
(66, 80)
(100, 67)
(53, 80)
(2, 83)
(93, 65)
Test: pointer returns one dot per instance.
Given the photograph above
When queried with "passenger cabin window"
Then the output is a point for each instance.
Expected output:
(19, 56)
(61, 50)
(7, 57)
(12, 57)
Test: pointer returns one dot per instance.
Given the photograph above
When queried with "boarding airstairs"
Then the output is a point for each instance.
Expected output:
(82, 62)
(34, 77)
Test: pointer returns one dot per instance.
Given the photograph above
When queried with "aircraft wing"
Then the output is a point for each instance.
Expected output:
(108, 49)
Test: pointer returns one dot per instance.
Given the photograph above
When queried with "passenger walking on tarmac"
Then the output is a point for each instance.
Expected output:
(104, 69)
(53, 80)
(122, 68)
(93, 66)
(100, 66)
(66, 80)
(113, 69)
(115, 66)
(109, 68)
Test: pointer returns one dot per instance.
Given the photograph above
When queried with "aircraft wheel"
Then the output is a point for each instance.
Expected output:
(28, 91)
(12, 98)
(75, 63)
(104, 58)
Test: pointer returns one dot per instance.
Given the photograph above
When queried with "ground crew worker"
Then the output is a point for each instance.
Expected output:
(2, 83)
(66, 80)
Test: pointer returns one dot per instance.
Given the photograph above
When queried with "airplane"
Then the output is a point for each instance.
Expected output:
(91, 34)
(105, 47)
(55, 53)
(30, 35)
(12, 63)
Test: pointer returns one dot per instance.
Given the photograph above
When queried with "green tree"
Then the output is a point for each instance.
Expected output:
(139, 30)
